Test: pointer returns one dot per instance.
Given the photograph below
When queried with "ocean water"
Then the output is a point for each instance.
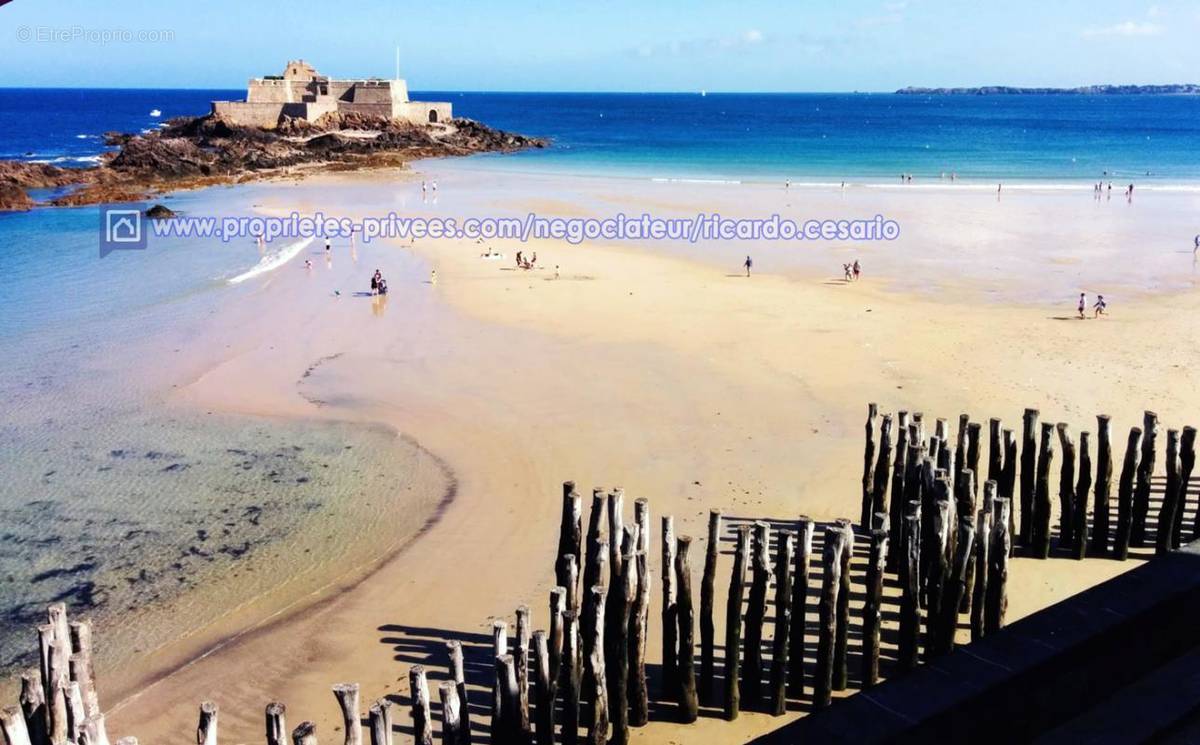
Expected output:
(805, 137)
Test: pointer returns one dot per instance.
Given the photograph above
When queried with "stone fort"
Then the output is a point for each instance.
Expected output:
(301, 92)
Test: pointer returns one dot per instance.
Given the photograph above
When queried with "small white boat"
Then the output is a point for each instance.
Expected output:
(156, 113)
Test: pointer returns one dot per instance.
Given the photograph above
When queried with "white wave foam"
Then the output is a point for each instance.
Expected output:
(272, 261)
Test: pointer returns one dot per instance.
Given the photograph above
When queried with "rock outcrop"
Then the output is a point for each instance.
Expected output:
(191, 152)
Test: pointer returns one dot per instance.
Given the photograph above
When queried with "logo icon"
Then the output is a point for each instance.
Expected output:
(120, 230)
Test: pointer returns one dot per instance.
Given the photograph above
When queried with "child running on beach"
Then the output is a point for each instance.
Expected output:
(1099, 307)
(1082, 305)
(748, 264)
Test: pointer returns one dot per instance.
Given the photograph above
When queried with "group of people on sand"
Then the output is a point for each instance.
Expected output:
(378, 284)
(1097, 309)
(524, 262)
(852, 272)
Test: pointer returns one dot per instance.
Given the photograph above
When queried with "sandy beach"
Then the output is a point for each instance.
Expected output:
(657, 368)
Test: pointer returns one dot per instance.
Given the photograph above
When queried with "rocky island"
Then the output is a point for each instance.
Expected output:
(192, 152)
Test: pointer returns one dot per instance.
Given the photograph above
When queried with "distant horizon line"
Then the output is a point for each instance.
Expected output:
(692, 92)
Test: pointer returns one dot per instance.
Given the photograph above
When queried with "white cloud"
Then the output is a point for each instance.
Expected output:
(893, 13)
(1125, 28)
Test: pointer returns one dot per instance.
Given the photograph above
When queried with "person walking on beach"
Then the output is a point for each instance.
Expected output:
(1099, 307)
(856, 269)
(328, 247)
(1082, 305)
(1195, 245)
(748, 263)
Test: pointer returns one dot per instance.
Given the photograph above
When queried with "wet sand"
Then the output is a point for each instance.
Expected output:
(654, 368)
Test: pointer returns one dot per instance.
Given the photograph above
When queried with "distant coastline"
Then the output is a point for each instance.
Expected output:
(1086, 90)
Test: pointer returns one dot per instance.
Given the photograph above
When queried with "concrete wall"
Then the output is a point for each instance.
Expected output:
(418, 111)
(251, 113)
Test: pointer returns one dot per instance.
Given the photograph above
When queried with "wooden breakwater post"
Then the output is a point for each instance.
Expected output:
(1029, 423)
(305, 734)
(908, 645)
(1170, 501)
(712, 552)
(33, 707)
(206, 727)
(499, 649)
(868, 477)
(348, 698)
(756, 612)
(733, 623)
(995, 468)
(418, 690)
(1066, 486)
(570, 539)
(898, 491)
(799, 601)
(597, 692)
(1145, 471)
(618, 652)
(670, 623)
(983, 543)
(571, 677)
(507, 730)
(1079, 521)
(946, 623)
(13, 727)
(1008, 481)
(873, 607)
(689, 705)
(521, 661)
(379, 719)
(883, 470)
(785, 556)
(453, 732)
(997, 574)
(1125, 486)
(616, 623)
(1187, 462)
(275, 721)
(841, 641)
(559, 603)
(458, 675)
(545, 687)
(1103, 493)
(1040, 538)
(639, 619)
(835, 544)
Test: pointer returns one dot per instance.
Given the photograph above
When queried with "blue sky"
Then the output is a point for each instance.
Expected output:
(625, 45)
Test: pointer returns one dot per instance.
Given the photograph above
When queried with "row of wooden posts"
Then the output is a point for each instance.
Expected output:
(922, 516)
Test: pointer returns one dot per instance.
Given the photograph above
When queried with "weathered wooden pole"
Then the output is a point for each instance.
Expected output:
(593, 651)
(347, 698)
(785, 556)
(960, 445)
(974, 432)
(1066, 488)
(1008, 480)
(499, 649)
(799, 601)
(452, 708)
(841, 641)
(670, 624)
(1170, 501)
(835, 544)
(570, 677)
(1041, 497)
(1145, 472)
(521, 660)
(910, 577)
(939, 567)
(688, 701)
(995, 451)
(1029, 425)
(419, 690)
(983, 542)
(873, 608)
(458, 675)
(570, 533)
(639, 692)
(964, 507)
(712, 552)
(596, 562)
(756, 612)
(82, 669)
(594, 592)
(54, 679)
(622, 597)
(1125, 496)
(883, 468)
(558, 605)
(1104, 469)
(1079, 521)
(206, 727)
(997, 579)
(304, 734)
(94, 731)
(899, 490)
(614, 611)
(507, 730)
(379, 717)
(868, 477)
(12, 724)
(956, 583)
(733, 622)
(545, 689)
(1187, 461)
(33, 707)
